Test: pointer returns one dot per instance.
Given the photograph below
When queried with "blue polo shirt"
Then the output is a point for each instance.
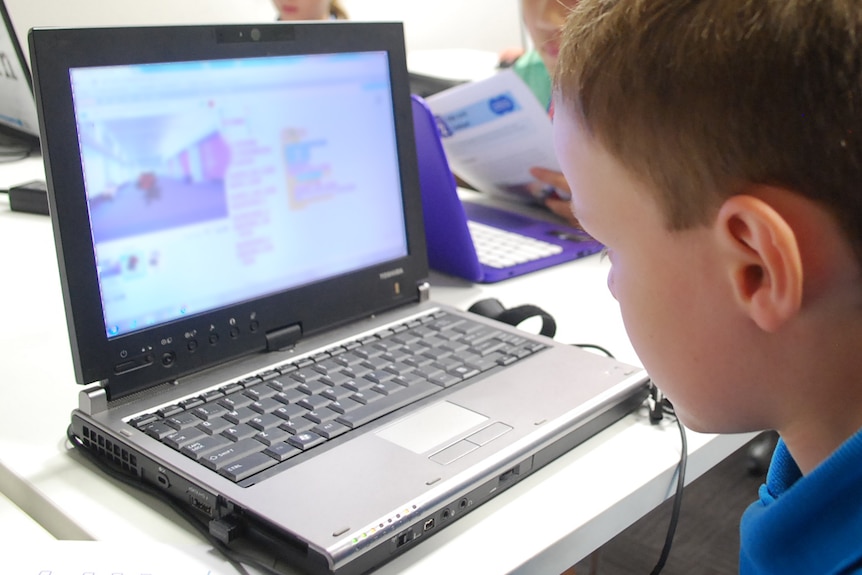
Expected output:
(806, 524)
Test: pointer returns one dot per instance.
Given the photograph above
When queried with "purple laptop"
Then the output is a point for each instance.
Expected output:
(449, 221)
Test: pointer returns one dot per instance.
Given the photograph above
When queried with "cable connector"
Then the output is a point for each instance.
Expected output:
(224, 530)
(655, 403)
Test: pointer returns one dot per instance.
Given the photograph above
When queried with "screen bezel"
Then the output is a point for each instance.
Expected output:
(315, 307)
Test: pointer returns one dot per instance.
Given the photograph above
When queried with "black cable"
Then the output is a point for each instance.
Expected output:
(594, 346)
(15, 151)
(6, 157)
(677, 499)
(236, 558)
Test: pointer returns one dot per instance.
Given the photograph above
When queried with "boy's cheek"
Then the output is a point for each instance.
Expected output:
(611, 284)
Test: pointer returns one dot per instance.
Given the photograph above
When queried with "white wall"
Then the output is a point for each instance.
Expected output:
(477, 24)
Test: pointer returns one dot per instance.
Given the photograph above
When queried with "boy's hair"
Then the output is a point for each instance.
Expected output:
(337, 11)
(701, 96)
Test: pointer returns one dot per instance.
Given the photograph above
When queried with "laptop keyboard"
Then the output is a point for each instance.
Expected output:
(501, 249)
(250, 425)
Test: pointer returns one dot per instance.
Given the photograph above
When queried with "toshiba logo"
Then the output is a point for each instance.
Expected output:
(392, 273)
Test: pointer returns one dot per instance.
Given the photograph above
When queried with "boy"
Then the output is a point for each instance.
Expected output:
(543, 20)
(715, 148)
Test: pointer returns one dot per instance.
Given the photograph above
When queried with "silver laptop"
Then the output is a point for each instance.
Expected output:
(239, 231)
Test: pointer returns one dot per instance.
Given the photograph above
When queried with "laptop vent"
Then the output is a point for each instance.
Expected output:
(110, 450)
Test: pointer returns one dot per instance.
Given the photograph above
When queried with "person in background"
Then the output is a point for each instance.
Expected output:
(715, 148)
(309, 10)
(543, 20)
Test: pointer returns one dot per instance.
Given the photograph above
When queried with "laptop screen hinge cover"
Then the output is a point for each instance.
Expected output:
(283, 338)
(424, 290)
(93, 400)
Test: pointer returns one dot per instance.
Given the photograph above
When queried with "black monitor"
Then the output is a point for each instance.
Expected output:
(19, 127)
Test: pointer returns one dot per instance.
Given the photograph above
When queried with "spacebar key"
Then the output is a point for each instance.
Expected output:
(380, 407)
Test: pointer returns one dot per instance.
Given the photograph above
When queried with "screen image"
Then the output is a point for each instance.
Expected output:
(17, 107)
(216, 182)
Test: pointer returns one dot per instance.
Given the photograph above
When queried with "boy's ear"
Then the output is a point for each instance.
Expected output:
(764, 264)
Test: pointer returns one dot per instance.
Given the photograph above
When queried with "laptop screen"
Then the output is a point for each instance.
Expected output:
(17, 109)
(217, 191)
(215, 182)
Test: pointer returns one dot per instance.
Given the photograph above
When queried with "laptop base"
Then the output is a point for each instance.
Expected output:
(236, 527)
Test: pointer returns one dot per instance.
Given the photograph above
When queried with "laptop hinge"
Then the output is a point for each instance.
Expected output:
(424, 290)
(93, 400)
(283, 338)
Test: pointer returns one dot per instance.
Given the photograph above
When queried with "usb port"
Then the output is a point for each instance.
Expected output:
(507, 475)
(404, 538)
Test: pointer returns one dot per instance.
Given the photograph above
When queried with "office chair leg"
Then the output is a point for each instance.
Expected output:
(760, 452)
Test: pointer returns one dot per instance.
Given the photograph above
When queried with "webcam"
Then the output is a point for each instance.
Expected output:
(262, 33)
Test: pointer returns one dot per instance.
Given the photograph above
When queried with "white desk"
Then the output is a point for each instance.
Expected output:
(17, 528)
(557, 516)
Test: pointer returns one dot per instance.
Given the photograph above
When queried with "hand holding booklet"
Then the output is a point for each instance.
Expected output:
(494, 130)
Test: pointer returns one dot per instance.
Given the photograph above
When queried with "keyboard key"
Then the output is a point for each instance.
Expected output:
(379, 376)
(272, 436)
(212, 395)
(239, 432)
(281, 451)
(444, 379)
(313, 402)
(288, 412)
(289, 396)
(143, 420)
(259, 392)
(306, 440)
(247, 466)
(463, 371)
(305, 375)
(336, 393)
(297, 425)
(214, 426)
(191, 403)
(205, 446)
(267, 405)
(321, 415)
(170, 410)
(159, 430)
(221, 457)
(336, 378)
(235, 401)
(388, 388)
(240, 415)
(314, 387)
(327, 366)
(182, 438)
(386, 404)
(265, 422)
(182, 420)
(342, 407)
(209, 411)
(358, 385)
(330, 429)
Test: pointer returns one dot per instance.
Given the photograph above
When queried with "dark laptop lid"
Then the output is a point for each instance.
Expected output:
(222, 190)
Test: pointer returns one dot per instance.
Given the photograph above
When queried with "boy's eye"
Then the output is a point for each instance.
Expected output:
(603, 255)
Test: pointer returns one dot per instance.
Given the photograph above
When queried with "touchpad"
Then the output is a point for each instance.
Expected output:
(431, 426)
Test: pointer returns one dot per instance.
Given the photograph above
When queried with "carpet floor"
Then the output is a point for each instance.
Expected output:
(707, 535)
